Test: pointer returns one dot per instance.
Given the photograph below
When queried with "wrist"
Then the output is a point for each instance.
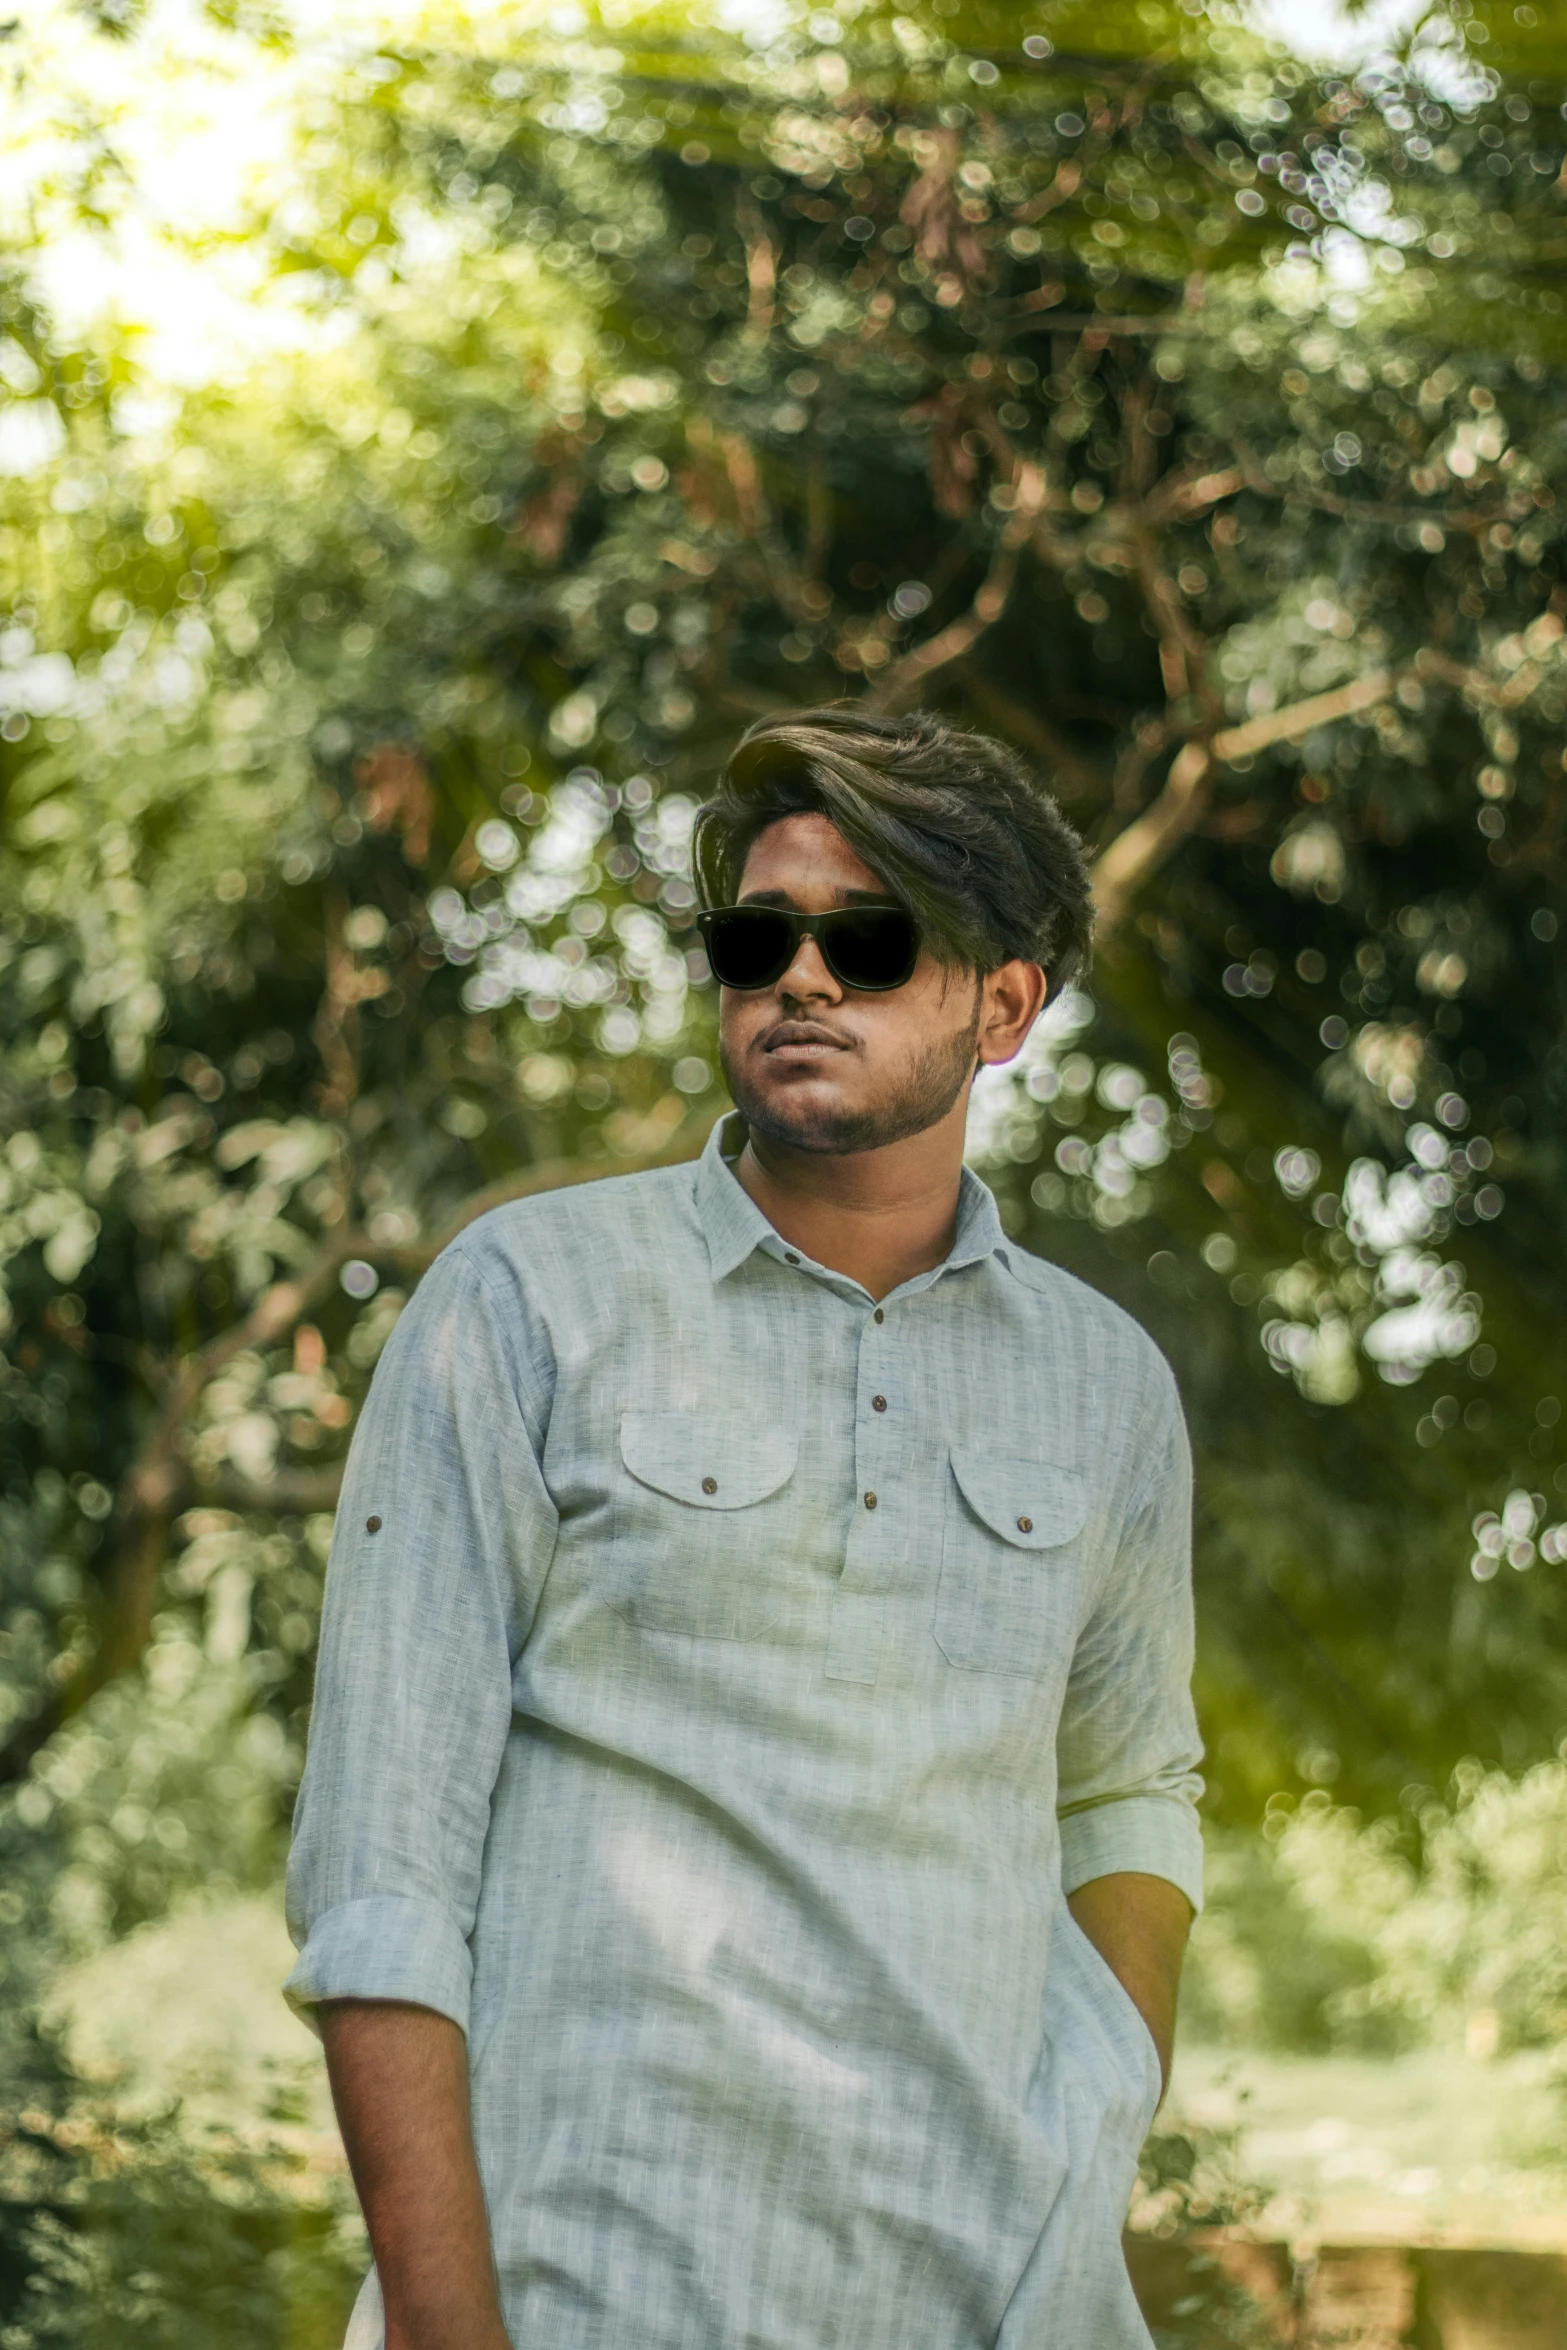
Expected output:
(456, 2312)
(449, 2329)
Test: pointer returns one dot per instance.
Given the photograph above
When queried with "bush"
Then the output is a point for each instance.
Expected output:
(144, 2237)
(1325, 1935)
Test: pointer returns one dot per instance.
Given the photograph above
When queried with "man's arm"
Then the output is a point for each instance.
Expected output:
(1127, 1745)
(444, 1534)
(399, 2079)
(1139, 1926)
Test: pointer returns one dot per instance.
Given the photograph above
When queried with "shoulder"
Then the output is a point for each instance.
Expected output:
(1110, 1343)
(574, 1229)
(505, 1289)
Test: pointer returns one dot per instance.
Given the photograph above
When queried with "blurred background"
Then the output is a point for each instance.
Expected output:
(428, 435)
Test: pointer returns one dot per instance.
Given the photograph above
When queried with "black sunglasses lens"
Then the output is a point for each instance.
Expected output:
(750, 946)
(871, 947)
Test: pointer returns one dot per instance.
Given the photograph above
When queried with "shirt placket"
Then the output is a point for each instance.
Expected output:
(878, 1529)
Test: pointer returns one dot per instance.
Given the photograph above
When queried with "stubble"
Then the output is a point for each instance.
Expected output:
(929, 1086)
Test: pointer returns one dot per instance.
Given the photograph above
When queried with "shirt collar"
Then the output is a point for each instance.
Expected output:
(734, 1226)
(729, 1216)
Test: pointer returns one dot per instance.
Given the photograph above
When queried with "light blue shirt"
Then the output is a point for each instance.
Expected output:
(722, 1679)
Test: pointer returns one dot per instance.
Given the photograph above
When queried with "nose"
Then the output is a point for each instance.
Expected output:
(808, 979)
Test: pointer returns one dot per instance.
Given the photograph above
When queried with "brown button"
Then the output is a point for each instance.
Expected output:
(878, 1403)
(709, 1484)
(870, 1501)
(1025, 1525)
(372, 1525)
(878, 1316)
(790, 1258)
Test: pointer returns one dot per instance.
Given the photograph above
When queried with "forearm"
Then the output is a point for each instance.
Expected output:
(1139, 1924)
(399, 2079)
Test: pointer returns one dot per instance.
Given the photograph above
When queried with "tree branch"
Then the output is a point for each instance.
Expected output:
(1182, 496)
(1073, 322)
(905, 680)
(1504, 696)
(1122, 867)
(288, 1493)
(1183, 649)
(761, 264)
(1470, 518)
(1068, 178)
(1149, 738)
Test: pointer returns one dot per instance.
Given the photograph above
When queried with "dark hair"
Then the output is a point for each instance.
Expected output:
(960, 831)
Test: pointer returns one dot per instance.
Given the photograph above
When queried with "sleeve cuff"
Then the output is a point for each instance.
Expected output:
(1156, 1835)
(385, 1947)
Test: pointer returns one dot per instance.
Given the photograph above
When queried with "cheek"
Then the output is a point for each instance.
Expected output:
(740, 1017)
(933, 1012)
(905, 1039)
(949, 998)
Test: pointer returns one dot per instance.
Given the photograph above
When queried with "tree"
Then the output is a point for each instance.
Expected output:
(1189, 419)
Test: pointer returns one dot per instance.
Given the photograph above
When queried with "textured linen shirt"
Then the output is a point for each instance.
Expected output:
(723, 1679)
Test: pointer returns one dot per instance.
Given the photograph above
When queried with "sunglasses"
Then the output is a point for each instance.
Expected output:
(869, 948)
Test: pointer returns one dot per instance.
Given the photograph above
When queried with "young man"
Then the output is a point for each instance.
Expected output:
(752, 1765)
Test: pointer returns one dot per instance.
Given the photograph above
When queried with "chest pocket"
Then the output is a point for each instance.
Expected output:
(1010, 1556)
(701, 1540)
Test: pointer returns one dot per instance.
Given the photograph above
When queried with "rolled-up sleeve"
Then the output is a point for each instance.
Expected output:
(1127, 1747)
(444, 1534)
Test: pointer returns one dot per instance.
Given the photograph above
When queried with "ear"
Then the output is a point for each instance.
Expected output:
(1011, 1000)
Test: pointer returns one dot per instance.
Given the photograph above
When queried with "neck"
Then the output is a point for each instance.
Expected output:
(880, 1216)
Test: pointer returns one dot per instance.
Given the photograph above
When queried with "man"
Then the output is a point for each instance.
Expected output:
(751, 1773)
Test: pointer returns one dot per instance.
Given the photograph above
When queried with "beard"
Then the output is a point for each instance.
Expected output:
(931, 1083)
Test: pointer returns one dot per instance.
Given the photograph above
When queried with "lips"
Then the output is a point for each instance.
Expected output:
(802, 1041)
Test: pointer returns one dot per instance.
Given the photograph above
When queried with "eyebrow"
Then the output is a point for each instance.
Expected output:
(846, 897)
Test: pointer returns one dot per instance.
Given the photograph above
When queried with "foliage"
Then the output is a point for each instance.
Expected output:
(1190, 2194)
(145, 2239)
(174, 1781)
(1324, 1935)
(1191, 418)
(357, 712)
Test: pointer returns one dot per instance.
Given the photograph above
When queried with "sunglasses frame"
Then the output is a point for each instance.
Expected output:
(820, 927)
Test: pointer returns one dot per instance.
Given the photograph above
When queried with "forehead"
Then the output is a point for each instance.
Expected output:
(805, 854)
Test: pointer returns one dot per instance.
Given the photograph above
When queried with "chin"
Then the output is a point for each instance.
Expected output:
(809, 1116)
(820, 1120)
(824, 1137)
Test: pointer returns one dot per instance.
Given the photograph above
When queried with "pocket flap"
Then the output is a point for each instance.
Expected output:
(1034, 1505)
(706, 1462)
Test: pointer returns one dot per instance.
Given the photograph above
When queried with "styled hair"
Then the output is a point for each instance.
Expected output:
(963, 835)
